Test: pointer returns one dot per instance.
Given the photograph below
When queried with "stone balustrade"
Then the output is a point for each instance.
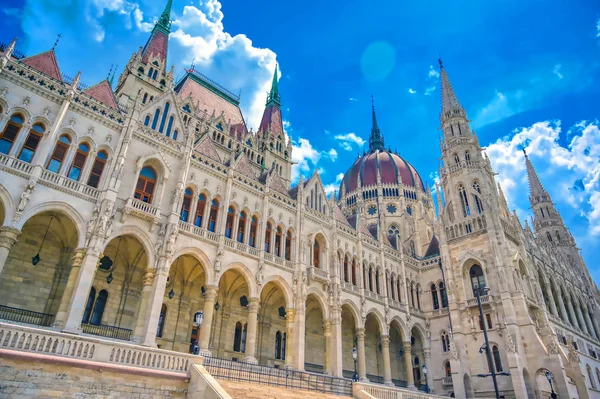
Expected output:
(384, 392)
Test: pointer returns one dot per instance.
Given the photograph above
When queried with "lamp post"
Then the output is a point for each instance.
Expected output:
(355, 356)
(488, 353)
(198, 319)
(425, 371)
(553, 395)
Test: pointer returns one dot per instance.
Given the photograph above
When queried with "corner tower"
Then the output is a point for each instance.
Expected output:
(146, 72)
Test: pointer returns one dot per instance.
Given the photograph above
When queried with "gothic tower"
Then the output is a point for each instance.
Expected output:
(146, 72)
(273, 142)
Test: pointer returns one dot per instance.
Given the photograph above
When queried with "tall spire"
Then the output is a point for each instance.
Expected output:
(537, 193)
(273, 96)
(450, 105)
(164, 22)
(376, 138)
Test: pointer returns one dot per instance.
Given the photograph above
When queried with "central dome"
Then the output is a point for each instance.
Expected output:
(392, 168)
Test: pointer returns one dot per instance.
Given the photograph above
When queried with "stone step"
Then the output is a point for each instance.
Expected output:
(247, 390)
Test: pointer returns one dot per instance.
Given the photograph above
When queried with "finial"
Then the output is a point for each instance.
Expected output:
(56, 42)
(372, 102)
(525, 151)
(440, 61)
(112, 78)
(110, 71)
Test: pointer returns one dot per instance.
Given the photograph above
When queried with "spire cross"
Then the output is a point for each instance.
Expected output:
(56, 42)
(109, 71)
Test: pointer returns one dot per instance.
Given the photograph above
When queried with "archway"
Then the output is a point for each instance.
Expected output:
(37, 269)
(315, 348)
(417, 342)
(397, 362)
(468, 388)
(184, 297)
(373, 348)
(231, 317)
(349, 323)
(272, 329)
(113, 303)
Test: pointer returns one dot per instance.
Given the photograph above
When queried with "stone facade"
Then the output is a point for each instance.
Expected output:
(127, 214)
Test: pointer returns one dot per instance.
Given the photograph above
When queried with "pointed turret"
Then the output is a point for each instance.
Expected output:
(271, 120)
(376, 138)
(273, 97)
(157, 45)
(450, 105)
(537, 192)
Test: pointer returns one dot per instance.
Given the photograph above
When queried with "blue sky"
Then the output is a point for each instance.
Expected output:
(527, 72)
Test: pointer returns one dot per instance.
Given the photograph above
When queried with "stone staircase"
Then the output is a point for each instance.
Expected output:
(246, 390)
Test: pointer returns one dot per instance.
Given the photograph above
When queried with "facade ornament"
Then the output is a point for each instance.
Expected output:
(25, 195)
(295, 285)
(46, 111)
(339, 298)
(573, 356)
(553, 345)
(510, 343)
(259, 274)
(219, 259)
(108, 139)
(256, 206)
(3, 92)
(270, 212)
(26, 101)
(162, 232)
(280, 217)
(149, 277)
(72, 122)
(171, 240)
(453, 350)
(205, 183)
(304, 286)
(245, 201)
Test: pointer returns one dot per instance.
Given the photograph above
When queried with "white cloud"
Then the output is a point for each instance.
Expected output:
(598, 28)
(571, 174)
(347, 140)
(497, 109)
(231, 60)
(556, 71)
(332, 187)
(353, 99)
(306, 157)
(433, 73)
(435, 176)
(138, 18)
(429, 90)
(411, 91)
(332, 154)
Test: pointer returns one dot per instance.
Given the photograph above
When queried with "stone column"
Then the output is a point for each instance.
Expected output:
(572, 313)
(427, 356)
(336, 338)
(387, 368)
(581, 320)
(328, 346)
(81, 292)
(550, 297)
(563, 310)
(253, 306)
(362, 365)
(140, 324)
(290, 315)
(76, 261)
(595, 322)
(410, 382)
(590, 326)
(155, 301)
(8, 238)
(210, 295)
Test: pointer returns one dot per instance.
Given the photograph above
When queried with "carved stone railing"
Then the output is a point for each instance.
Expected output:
(396, 304)
(63, 183)
(379, 391)
(197, 232)
(141, 209)
(15, 166)
(350, 287)
(484, 299)
(447, 381)
(314, 273)
(229, 242)
(48, 342)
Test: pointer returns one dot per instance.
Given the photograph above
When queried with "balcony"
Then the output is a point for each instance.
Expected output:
(141, 210)
(64, 184)
(447, 381)
(197, 232)
(314, 273)
(15, 166)
(103, 330)
(484, 299)
(348, 287)
(396, 304)
(25, 316)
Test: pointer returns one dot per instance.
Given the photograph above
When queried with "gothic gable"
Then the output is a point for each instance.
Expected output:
(45, 63)
(103, 93)
(276, 183)
(206, 147)
(149, 112)
(242, 166)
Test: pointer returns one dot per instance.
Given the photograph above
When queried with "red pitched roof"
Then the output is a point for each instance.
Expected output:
(272, 116)
(45, 63)
(103, 93)
(156, 46)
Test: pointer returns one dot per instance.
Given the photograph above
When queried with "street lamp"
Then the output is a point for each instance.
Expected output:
(355, 356)
(478, 290)
(553, 395)
(198, 319)
(425, 371)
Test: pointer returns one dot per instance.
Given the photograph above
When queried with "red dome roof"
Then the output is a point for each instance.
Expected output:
(393, 169)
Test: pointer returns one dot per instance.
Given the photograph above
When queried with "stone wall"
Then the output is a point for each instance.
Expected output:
(26, 379)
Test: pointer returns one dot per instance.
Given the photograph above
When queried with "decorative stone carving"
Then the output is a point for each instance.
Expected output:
(26, 101)
(25, 195)
(259, 274)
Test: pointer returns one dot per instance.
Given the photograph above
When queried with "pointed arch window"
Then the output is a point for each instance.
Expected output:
(229, 222)
(89, 306)
(150, 72)
(399, 289)
(316, 255)
(464, 200)
(97, 169)
(200, 210)
(58, 154)
(268, 233)
(456, 158)
(434, 297)
(186, 205)
(253, 229)
(154, 74)
(497, 360)
(31, 142)
(147, 120)
(477, 279)
(467, 156)
(145, 98)
(164, 117)
(241, 227)
(413, 251)
(445, 341)
(237, 337)
(79, 161)
(278, 234)
(377, 277)
(447, 369)
(212, 217)
(288, 245)
(175, 134)
(161, 321)
(280, 345)
(99, 306)
(371, 279)
(169, 127)
(443, 295)
(353, 271)
(146, 183)
(346, 277)
(549, 236)
(155, 119)
(418, 292)
(10, 133)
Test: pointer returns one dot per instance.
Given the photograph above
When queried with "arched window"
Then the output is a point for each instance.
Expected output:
(443, 295)
(346, 277)
(97, 169)
(164, 118)
(253, 229)
(154, 74)
(212, 217)
(392, 289)
(464, 200)
(288, 245)
(590, 376)
(144, 99)
(10, 133)
(185, 205)
(278, 233)
(456, 158)
(155, 119)
(241, 227)
(175, 134)
(477, 279)
(434, 297)
(445, 341)
(316, 255)
(229, 222)
(279, 350)
(58, 155)
(147, 120)
(169, 126)
(418, 294)
(497, 360)
(413, 250)
(598, 375)
(447, 369)
(161, 321)
(144, 189)
(237, 337)
(377, 277)
(88, 306)
(79, 162)
(371, 285)
(467, 156)
(243, 344)
(201, 204)
(353, 271)
(150, 71)
(557, 235)
(399, 289)
(268, 233)
(98, 312)
(549, 236)
(478, 203)
(31, 142)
